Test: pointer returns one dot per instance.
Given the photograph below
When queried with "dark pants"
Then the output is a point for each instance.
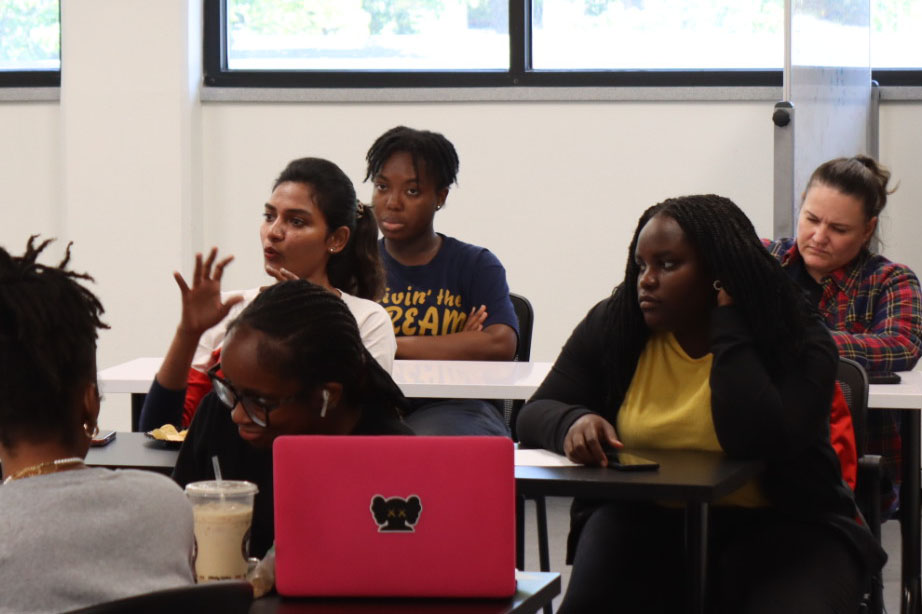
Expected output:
(457, 417)
(630, 556)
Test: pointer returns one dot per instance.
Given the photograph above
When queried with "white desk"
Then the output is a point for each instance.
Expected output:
(905, 395)
(449, 379)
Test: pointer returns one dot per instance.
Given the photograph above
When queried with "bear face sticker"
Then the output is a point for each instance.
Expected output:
(396, 514)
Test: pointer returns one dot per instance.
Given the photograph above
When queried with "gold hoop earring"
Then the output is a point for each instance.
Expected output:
(90, 433)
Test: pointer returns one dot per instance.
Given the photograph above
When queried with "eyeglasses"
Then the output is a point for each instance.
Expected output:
(257, 408)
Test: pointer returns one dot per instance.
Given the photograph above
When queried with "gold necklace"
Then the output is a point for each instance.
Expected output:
(58, 464)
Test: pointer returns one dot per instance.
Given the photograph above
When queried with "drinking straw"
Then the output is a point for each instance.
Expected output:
(217, 468)
(217, 475)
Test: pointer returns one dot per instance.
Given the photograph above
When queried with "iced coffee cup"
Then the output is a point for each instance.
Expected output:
(223, 513)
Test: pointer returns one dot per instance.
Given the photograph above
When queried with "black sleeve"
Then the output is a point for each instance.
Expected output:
(161, 406)
(574, 387)
(760, 415)
(194, 460)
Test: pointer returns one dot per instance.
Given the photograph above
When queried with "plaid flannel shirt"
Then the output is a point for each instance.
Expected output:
(873, 308)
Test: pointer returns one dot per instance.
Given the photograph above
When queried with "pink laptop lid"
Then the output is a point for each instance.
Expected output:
(394, 516)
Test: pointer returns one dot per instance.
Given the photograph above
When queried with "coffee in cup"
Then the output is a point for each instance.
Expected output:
(223, 512)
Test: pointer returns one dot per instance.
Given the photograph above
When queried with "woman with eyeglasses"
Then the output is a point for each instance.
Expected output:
(292, 363)
(313, 228)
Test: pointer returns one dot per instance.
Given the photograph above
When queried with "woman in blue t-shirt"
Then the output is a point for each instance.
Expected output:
(448, 300)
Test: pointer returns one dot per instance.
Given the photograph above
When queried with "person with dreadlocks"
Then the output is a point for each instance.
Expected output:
(313, 228)
(448, 300)
(293, 363)
(872, 306)
(708, 345)
(70, 535)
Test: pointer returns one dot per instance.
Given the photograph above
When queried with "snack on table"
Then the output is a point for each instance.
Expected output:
(168, 432)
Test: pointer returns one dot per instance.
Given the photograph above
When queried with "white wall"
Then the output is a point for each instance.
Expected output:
(139, 174)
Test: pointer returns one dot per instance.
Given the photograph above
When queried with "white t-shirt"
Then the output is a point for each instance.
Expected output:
(374, 328)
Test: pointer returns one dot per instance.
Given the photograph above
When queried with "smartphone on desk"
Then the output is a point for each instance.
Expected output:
(884, 377)
(627, 461)
(103, 438)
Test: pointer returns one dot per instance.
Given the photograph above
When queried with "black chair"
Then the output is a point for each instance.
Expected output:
(526, 316)
(226, 596)
(853, 380)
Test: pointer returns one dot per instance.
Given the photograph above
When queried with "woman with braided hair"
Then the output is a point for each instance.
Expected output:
(708, 345)
(293, 363)
(70, 535)
(313, 228)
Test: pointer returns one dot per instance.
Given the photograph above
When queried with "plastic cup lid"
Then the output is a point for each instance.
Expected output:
(225, 488)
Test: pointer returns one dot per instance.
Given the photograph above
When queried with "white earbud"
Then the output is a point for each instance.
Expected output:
(326, 400)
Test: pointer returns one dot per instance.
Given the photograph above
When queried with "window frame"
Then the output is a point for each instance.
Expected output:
(30, 78)
(34, 78)
(520, 73)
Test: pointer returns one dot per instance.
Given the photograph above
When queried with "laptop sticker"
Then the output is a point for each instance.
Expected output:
(396, 514)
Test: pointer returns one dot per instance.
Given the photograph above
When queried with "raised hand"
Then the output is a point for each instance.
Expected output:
(587, 438)
(202, 306)
(281, 273)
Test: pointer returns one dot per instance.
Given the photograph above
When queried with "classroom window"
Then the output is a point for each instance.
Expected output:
(30, 43)
(346, 35)
(407, 43)
(895, 29)
(657, 34)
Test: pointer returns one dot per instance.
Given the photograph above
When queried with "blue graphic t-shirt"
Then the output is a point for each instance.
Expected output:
(436, 298)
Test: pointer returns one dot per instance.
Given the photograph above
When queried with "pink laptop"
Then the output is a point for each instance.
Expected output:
(390, 516)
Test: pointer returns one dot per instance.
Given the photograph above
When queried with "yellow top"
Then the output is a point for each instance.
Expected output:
(668, 405)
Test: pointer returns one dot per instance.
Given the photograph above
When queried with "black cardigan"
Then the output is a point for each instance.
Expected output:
(783, 420)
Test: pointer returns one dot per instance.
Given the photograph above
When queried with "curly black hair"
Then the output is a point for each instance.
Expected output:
(48, 331)
(438, 155)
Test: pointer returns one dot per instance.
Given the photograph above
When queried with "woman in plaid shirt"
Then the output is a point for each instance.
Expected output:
(871, 305)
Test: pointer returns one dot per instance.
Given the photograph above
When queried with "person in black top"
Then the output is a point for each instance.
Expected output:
(707, 344)
(293, 363)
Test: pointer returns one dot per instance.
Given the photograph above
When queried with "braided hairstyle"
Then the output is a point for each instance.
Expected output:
(438, 155)
(315, 339)
(731, 251)
(48, 331)
(357, 268)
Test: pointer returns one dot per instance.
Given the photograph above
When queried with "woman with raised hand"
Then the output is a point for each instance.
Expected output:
(448, 300)
(872, 306)
(706, 345)
(313, 228)
(70, 535)
(292, 363)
